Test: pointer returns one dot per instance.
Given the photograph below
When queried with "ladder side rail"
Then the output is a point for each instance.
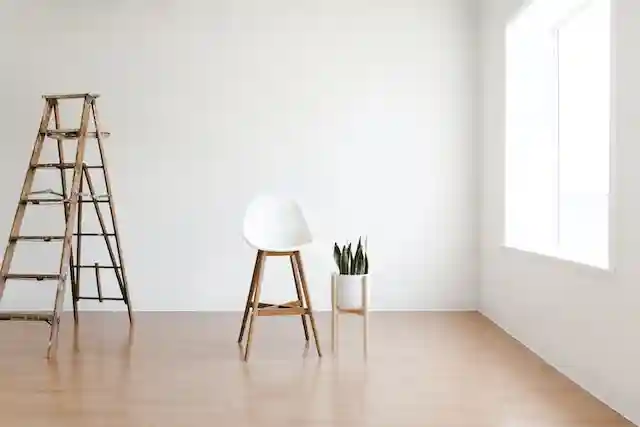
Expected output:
(26, 188)
(68, 235)
(63, 180)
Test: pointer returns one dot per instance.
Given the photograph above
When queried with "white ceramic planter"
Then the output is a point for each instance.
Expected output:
(349, 289)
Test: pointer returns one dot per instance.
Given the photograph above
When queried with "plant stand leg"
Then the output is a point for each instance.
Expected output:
(334, 314)
(365, 315)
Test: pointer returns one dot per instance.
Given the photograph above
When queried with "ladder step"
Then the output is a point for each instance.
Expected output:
(71, 96)
(62, 166)
(38, 277)
(49, 191)
(55, 238)
(43, 317)
(44, 201)
(50, 201)
(72, 134)
(36, 238)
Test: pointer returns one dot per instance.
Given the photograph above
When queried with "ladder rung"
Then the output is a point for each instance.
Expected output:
(43, 317)
(97, 266)
(72, 134)
(102, 199)
(36, 238)
(99, 199)
(62, 166)
(71, 96)
(95, 234)
(38, 277)
(101, 299)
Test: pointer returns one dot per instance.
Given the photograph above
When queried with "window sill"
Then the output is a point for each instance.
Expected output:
(602, 266)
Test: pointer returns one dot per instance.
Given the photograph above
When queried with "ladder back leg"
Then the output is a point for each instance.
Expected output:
(112, 209)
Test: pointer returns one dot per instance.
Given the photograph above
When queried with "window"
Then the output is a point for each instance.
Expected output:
(558, 130)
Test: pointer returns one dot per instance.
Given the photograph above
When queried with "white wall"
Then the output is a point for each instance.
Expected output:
(362, 110)
(581, 320)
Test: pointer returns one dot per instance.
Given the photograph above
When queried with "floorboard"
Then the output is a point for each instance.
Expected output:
(185, 369)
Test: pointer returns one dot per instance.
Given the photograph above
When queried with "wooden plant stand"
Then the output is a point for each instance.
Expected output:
(362, 311)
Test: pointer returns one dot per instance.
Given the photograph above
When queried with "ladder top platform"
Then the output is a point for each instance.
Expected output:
(71, 96)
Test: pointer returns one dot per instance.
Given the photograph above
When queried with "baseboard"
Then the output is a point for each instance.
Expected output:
(557, 368)
(423, 310)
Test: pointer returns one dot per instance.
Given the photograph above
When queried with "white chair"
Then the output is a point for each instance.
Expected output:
(276, 227)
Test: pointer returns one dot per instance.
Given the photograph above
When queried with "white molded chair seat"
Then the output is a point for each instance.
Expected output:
(275, 224)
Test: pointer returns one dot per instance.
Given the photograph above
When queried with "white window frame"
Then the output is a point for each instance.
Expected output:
(550, 15)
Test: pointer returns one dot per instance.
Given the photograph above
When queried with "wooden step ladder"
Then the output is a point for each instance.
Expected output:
(72, 200)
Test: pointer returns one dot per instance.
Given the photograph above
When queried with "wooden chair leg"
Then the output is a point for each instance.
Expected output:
(250, 295)
(254, 307)
(296, 279)
(305, 292)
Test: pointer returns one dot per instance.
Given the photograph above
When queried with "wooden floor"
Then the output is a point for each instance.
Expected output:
(185, 369)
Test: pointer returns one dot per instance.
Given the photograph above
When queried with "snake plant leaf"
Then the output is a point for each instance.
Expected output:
(358, 260)
(336, 254)
(344, 267)
(352, 264)
(349, 259)
(354, 267)
(366, 264)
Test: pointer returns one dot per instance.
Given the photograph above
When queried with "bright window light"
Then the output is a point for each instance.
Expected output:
(558, 130)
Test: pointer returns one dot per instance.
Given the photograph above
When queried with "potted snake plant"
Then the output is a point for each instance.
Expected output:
(353, 270)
